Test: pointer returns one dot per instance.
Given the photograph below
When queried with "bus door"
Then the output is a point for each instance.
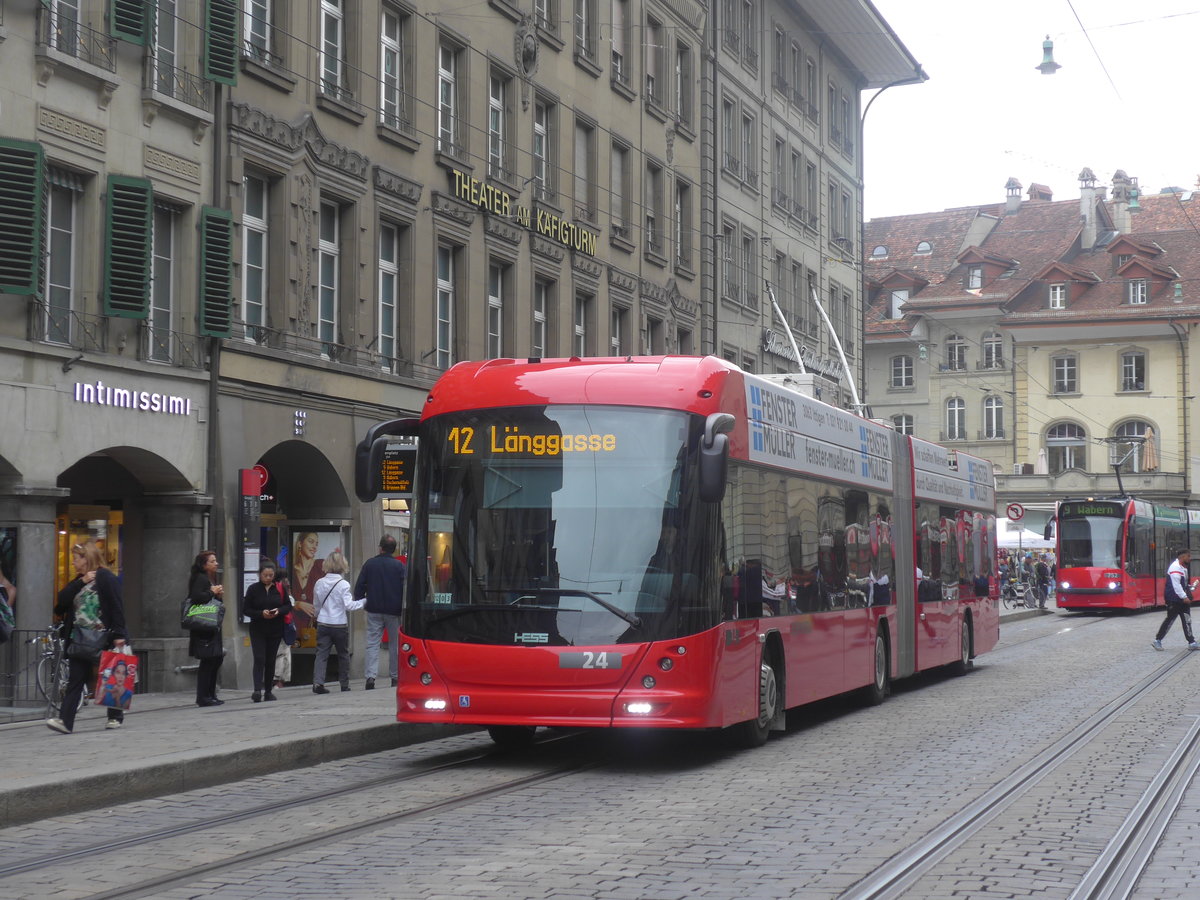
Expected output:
(937, 594)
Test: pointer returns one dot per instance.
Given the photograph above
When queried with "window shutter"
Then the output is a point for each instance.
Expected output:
(216, 274)
(22, 214)
(127, 20)
(221, 41)
(127, 222)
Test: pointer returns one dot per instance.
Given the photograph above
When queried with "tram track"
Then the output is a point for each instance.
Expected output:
(311, 804)
(1116, 870)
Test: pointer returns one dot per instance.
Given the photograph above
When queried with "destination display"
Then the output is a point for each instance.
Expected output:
(527, 439)
(1091, 508)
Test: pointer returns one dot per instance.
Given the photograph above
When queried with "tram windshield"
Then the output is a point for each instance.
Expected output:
(1090, 537)
(560, 525)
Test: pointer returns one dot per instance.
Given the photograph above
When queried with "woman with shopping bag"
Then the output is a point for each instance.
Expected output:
(91, 605)
(205, 589)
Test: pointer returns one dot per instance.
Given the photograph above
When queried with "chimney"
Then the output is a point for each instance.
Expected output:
(1121, 187)
(1012, 196)
(1087, 208)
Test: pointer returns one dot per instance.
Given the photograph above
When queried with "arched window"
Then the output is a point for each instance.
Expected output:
(956, 353)
(993, 417)
(956, 419)
(902, 372)
(879, 252)
(1129, 448)
(924, 247)
(1066, 447)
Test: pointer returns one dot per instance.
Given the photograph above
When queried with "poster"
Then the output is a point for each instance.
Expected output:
(307, 549)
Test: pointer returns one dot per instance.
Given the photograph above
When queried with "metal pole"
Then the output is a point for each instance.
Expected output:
(858, 407)
(787, 327)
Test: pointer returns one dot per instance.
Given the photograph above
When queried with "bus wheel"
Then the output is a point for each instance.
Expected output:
(877, 690)
(512, 737)
(963, 663)
(754, 733)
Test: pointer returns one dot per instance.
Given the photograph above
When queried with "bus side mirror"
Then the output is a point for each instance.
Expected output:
(368, 455)
(1048, 534)
(714, 457)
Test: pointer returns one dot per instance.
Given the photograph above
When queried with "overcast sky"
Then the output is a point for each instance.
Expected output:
(986, 113)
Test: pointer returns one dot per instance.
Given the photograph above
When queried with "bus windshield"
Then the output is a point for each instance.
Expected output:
(559, 525)
(1090, 541)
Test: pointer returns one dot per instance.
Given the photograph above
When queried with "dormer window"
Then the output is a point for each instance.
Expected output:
(1058, 296)
(1123, 258)
(899, 298)
(1138, 291)
(974, 279)
(924, 247)
(879, 252)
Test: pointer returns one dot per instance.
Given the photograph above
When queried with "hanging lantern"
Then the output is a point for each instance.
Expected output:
(1048, 66)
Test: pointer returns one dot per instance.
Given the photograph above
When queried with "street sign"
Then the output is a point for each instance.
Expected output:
(1016, 512)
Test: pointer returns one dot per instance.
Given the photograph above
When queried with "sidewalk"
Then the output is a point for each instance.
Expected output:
(170, 745)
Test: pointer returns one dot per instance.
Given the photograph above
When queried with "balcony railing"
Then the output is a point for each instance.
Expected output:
(68, 328)
(985, 365)
(177, 83)
(71, 37)
(178, 348)
(994, 435)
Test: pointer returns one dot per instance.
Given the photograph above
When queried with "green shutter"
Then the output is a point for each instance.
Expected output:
(22, 211)
(221, 41)
(216, 274)
(127, 239)
(127, 20)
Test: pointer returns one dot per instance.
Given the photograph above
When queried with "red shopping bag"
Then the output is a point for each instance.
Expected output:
(118, 675)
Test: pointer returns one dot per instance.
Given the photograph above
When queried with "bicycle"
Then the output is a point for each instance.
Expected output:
(53, 670)
(1017, 594)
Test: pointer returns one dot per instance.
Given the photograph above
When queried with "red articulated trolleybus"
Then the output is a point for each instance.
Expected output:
(1113, 553)
(671, 542)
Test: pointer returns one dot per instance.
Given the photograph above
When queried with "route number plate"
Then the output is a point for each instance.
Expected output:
(589, 660)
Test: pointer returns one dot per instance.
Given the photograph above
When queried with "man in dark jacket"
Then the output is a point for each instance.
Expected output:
(381, 581)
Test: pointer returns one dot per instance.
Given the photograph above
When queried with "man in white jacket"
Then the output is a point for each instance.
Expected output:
(1178, 595)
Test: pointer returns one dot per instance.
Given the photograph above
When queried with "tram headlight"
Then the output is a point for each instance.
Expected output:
(426, 678)
(639, 709)
(406, 646)
(1066, 585)
(435, 705)
(666, 664)
(413, 661)
(1114, 585)
(648, 682)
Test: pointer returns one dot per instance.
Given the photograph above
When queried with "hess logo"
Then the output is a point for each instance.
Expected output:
(530, 637)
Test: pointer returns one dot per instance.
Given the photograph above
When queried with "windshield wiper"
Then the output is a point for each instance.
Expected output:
(568, 592)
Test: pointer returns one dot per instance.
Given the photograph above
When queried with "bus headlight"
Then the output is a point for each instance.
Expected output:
(435, 705)
(1066, 585)
(648, 682)
(1114, 585)
(638, 709)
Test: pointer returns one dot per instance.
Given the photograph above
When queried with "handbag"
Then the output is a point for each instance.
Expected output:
(204, 617)
(289, 631)
(87, 643)
(118, 675)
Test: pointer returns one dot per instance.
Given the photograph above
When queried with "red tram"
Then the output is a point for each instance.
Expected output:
(1113, 554)
(671, 542)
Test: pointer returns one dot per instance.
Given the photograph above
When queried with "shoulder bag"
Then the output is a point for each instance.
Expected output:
(87, 643)
(202, 617)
